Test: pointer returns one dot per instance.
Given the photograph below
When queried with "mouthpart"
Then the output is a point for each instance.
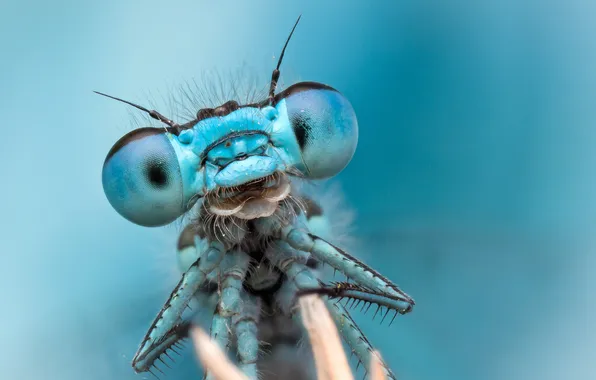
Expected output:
(255, 199)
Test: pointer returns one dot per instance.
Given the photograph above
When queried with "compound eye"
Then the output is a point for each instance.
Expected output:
(325, 127)
(142, 180)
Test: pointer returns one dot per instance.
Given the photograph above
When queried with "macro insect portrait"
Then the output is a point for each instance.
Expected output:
(252, 243)
(278, 187)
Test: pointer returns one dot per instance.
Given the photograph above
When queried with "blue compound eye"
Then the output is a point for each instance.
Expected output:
(325, 127)
(142, 180)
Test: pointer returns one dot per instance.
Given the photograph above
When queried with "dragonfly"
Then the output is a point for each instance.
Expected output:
(253, 244)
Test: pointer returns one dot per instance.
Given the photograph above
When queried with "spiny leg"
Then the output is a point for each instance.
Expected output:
(293, 264)
(188, 252)
(358, 294)
(306, 281)
(353, 336)
(170, 342)
(245, 329)
(230, 304)
(342, 261)
(204, 299)
(167, 320)
(285, 298)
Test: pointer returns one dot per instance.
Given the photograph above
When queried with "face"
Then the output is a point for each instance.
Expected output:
(240, 161)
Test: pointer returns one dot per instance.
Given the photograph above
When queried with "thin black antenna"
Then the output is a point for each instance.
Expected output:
(154, 114)
(275, 75)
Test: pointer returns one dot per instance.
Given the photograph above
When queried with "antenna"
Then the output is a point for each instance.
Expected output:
(275, 75)
(154, 114)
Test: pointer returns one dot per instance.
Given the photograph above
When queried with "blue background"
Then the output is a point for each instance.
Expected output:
(473, 181)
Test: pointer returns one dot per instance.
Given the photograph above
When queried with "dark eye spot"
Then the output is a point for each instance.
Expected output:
(156, 173)
(302, 125)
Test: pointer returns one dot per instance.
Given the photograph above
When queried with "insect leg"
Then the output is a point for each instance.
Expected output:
(358, 295)
(230, 302)
(306, 281)
(353, 336)
(362, 274)
(169, 316)
(245, 328)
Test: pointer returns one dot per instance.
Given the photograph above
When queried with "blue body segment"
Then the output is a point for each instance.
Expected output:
(249, 169)
(230, 302)
(246, 327)
(241, 146)
(246, 120)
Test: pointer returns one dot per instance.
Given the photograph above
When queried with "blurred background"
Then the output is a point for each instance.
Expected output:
(473, 183)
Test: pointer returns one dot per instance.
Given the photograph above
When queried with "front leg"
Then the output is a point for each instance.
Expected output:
(169, 318)
(245, 327)
(230, 303)
(353, 268)
(354, 337)
(307, 283)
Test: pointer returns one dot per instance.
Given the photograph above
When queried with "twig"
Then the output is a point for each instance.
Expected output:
(376, 368)
(213, 359)
(329, 354)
